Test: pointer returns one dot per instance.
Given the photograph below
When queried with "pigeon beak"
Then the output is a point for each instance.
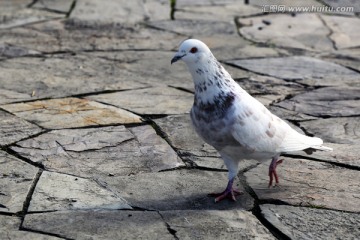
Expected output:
(176, 58)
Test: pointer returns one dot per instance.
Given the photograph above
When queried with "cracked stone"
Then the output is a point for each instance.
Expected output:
(329, 101)
(211, 224)
(7, 50)
(312, 223)
(178, 190)
(180, 133)
(303, 31)
(9, 228)
(100, 224)
(62, 6)
(309, 183)
(62, 76)
(101, 153)
(56, 191)
(70, 113)
(157, 100)
(16, 178)
(13, 129)
(302, 69)
(345, 30)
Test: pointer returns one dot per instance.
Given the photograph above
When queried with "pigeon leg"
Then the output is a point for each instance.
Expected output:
(229, 192)
(272, 170)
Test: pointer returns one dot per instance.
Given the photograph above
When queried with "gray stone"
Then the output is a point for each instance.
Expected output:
(121, 11)
(7, 50)
(224, 224)
(344, 3)
(157, 100)
(13, 129)
(100, 224)
(302, 31)
(70, 113)
(177, 190)
(63, 6)
(285, 3)
(9, 228)
(345, 31)
(180, 133)
(16, 178)
(309, 183)
(312, 223)
(56, 191)
(101, 153)
(330, 101)
(299, 68)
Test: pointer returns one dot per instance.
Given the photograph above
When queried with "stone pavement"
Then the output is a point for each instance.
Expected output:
(96, 140)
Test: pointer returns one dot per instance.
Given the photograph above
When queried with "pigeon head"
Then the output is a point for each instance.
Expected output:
(192, 51)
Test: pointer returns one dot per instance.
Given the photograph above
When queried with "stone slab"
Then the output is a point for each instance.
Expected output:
(344, 3)
(299, 68)
(9, 228)
(56, 191)
(16, 178)
(177, 190)
(100, 224)
(300, 31)
(326, 102)
(63, 6)
(101, 153)
(70, 113)
(308, 183)
(9, 51)
(13, 129)
(210, 224)
(312, 223)
(156, 100)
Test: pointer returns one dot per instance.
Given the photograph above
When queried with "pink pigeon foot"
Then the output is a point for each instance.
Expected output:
(229, 192)
(272, 171)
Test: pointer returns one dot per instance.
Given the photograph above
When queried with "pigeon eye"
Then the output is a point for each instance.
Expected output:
(193, 50)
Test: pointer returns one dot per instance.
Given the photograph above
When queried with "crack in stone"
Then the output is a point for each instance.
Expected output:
(170, 230)
(331, 32)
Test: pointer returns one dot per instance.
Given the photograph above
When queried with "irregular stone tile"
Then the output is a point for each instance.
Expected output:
(100, 224)
(62, 6)
(303, 31)
(344, 3)
(210, 224)
(346, 61)
(157, 100)
(345, 30)
(9, 228)
(64, 75)
(330, 101)
(7, 50)
(56, 191)
(299, 68)
(7, 96)
(179, 131)
(177, 190)
(101, 152)
(13, 129)
(309, 183)
(70, 113)
(109, 11)
(312, 223)
(16, 178)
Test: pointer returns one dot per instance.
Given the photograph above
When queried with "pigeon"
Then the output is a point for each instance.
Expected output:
(237, 125)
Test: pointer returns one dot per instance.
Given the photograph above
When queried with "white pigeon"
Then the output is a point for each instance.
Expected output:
(237, 125)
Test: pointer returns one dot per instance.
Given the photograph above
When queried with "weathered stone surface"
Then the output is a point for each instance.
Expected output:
(121, 11)
(13, 129)
(177, 190)
(70, 113)
(180, 133)
(345, 31)
(344, 3)
(309, 183)
(63, 6)
(101, 153)
(312, 223)
(303, 31)
(7, 50)
(157, 100)
(100, 224)
(224, 224)
(299, 68)
(330, 101)
(56, 191)
(64, 75)
(16, 178)
(9, 228)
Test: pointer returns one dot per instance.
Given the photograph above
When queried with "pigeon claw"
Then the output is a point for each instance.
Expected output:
(228, 193)
(272, 171)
